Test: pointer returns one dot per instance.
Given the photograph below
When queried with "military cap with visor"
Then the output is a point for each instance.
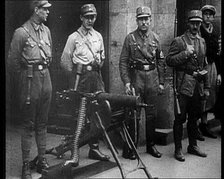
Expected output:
(143, 11)
(88, 9)
(195, 15)
(209, 8)
(40, 3)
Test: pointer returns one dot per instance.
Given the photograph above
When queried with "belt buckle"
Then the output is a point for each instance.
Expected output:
(146, 67)
(40, 67)
(89, 68)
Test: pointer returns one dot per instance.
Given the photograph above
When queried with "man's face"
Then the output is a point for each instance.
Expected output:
(194, 27)
(42, 13)
(144, 23)
(207, 16)
(88, 21)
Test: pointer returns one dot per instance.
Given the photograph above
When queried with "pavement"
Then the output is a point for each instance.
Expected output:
(164, 167)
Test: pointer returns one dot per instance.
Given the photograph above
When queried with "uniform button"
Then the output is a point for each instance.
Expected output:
(40, 67)
(89, 68)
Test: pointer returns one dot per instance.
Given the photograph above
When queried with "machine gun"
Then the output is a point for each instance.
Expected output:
(98, 114)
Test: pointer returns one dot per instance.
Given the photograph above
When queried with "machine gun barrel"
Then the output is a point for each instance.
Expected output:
(121, 100)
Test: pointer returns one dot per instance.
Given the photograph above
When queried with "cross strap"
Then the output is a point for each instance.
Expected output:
(39, 46)
(88, 45)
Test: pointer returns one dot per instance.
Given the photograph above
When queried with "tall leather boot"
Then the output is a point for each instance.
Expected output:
(26, 173)
(42, 164)
(193, 148)
(150, 131)
(94, 152)
(178, 134)
(133, 129)
(40, 136)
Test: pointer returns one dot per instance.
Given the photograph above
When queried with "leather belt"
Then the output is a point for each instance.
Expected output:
(90, 68)
(39, 67)
(144, 67)
(36, 67)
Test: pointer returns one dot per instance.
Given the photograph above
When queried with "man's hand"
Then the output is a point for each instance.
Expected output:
(128, 90)
(161, 89)
(189, 50)
(206, 93)
(219, 80)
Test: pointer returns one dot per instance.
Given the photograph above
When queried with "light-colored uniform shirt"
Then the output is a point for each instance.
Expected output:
(76, 50)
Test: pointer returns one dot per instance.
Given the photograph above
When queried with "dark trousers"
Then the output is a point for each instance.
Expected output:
(191, 109)
(146, 86)
(35, 115)
(132, 122)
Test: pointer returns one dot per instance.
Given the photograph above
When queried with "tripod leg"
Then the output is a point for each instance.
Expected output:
(110, 145)
(135, 150)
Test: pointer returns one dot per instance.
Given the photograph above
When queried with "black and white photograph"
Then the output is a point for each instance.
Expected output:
(113, 89)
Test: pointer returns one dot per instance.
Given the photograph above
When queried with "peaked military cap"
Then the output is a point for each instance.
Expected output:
(88, 9)
(143, 11)
(195, 15)
(40, 3)
(208, 8)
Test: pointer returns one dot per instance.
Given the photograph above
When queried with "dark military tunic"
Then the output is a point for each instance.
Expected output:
(145, 71)
(24, 50)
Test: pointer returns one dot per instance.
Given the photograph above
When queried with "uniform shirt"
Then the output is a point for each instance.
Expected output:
(25, 47)
(76, 50)
(150, 45)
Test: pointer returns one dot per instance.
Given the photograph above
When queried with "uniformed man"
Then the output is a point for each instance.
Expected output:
(141, 68)
(187, 56)
(85, 48)
(214, 64)
(30, 55)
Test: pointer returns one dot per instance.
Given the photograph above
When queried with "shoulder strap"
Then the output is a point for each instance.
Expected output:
(27, 31)
(139, 48)
(39, 46)
(87, 44)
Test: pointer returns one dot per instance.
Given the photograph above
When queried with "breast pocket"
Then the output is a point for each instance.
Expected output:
(30, 48)
(30, 43)
(95, 45)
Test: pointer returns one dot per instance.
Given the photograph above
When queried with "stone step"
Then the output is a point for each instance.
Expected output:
(165, 136)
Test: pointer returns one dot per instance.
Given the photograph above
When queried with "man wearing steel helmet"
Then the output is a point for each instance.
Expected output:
(30, 55)
(187, 56)
(141, 68)
(214, 64)
(85, 48)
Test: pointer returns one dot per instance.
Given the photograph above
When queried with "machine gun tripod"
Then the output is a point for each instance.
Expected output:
(99, 112)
